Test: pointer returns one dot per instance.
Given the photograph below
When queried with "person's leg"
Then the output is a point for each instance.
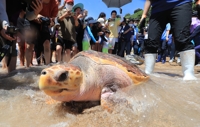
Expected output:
(47, 51)
(128, 45)
(122, 47)
(29, 53)
(11, 59)
(157, 25)
(74, 49)
(180, 20)
(99, 47)
(136, 49)
(115, 48)
(93, 46)
(172, 51)
(59, 53)
(197, 53)
(68, 49)
(12, 64)
(164, 51)
(67, 55)
(112, 42)
(21, 45)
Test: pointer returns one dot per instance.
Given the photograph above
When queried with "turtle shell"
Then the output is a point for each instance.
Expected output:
(129, 68)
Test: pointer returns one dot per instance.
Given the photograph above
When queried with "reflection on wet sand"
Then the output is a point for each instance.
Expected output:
(164, 101)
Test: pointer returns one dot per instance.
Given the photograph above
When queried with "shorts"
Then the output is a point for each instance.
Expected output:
(112, 42)
(53, 45)
(65, 43)
(33, 34)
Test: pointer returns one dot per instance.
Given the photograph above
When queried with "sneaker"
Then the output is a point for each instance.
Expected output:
(179, 61)
(172, 60)
(163, 61)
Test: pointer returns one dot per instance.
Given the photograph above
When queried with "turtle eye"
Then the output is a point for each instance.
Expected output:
(63, 76)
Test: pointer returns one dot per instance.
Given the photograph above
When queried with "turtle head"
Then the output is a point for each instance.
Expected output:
(61, 81)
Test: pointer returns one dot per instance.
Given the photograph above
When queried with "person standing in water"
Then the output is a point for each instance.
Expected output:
(178, 13)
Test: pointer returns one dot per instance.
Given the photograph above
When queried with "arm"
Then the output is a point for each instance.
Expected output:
(167, 35)
(3, 15)
(128, 29)
(4, 21)
(167, 32)
(90, 34)
(62, 15)
(147, 6)
(61, 7)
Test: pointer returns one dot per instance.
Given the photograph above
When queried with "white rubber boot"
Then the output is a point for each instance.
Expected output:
(187, 62)
(150, 60)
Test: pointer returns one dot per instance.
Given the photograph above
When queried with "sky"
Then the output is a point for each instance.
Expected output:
(95, 7)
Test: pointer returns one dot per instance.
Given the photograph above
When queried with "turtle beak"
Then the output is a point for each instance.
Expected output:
(45, 80)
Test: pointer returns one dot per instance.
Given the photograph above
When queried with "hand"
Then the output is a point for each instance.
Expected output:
(79, 16)
(97, 41)
(143, 16)
(100, 33)
(37, 20)
(64, 4)
(132, 43)
(167, 39)
(67, 13)
(52, 22)
(37, 6)
(6, 36)
(85, 13)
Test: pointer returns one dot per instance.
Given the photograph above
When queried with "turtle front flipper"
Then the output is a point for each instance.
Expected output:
(109, 97)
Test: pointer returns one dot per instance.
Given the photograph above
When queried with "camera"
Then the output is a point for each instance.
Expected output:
(45, 24)
(6, 45)
(45, 20)
(111, 20)
(11, 30)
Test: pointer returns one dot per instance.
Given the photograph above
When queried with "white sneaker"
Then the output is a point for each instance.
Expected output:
(179, 61)
(172, 60)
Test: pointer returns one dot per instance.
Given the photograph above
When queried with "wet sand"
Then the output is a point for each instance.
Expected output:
(164, 101)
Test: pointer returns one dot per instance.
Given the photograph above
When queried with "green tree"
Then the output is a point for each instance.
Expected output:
(128, 16)
(137, 14)
(139, 9)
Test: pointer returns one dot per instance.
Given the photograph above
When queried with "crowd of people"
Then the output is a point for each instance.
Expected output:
(49, 27)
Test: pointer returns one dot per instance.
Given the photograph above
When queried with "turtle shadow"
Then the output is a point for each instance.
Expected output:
(76, 107)
(169, 74)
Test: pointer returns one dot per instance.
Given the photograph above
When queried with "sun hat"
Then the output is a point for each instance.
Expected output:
(91, 20)
(102, 21)
(79, 5)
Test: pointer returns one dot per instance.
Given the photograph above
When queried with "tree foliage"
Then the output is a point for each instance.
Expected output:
(137, 10)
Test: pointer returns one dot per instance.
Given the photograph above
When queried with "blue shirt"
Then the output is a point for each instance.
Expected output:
(163, 5)
(135, 33)
(168, 27)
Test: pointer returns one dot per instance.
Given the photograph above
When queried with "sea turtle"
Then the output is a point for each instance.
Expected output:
(90, 76)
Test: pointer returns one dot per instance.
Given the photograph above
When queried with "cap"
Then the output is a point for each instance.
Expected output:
(102, 21)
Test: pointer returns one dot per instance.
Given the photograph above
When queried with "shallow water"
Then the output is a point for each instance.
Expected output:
(164, 101)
